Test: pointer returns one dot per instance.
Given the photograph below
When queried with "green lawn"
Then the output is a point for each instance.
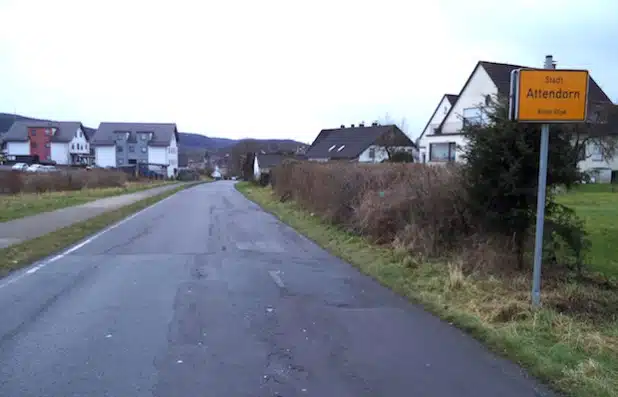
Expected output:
(22, 205)
(597, 204)
(576, 354)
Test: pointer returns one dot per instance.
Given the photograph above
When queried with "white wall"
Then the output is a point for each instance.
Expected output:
(105, 156)
(79, 144)
(256, 168)
(60, 153)
(479, 86)
(434, 122)
(591, 162)
(18, 148)
(438, 116)
(172, 156)
(381, 154)
(157, 155)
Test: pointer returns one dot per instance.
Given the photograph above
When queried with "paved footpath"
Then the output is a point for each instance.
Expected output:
(19, 230)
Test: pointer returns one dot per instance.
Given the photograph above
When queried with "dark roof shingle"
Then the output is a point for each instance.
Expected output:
(452, 98)
(500, 73)
(65, 130)
(349, 143)
(162, 132)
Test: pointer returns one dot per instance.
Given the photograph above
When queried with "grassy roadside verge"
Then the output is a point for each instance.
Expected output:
(571, 353)
(27, 204)
(23, 254)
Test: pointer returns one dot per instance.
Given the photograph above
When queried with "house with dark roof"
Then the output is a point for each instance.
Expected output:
(61, 142)
(441, 141)
(151, 145)
(264, 162)
(365, 144)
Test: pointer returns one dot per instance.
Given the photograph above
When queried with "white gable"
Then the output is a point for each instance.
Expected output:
(437, 117)
(479, 86)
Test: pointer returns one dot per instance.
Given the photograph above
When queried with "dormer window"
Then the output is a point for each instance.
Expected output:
(145, 135)
(331, 148)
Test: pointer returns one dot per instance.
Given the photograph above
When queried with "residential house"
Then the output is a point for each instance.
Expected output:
(441, 141)
(151, 145)
(263, 163)
(62, 142)
(365, 144)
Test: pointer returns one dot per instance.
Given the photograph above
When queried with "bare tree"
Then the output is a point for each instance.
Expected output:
(393, 141)
(601, 131)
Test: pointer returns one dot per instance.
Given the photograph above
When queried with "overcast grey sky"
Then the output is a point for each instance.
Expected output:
(279, 69)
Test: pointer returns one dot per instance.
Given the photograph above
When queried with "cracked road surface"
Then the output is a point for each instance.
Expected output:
(205, 294)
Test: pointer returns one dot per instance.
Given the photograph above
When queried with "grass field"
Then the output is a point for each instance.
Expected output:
(576, 354)
(22, 205)
(597, 204)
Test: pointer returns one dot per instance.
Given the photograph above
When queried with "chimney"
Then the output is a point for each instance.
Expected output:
(351, 125)
(342, 126)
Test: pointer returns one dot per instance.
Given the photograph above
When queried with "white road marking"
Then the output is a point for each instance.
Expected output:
(13, 279)
(274, 274)
(33, 270)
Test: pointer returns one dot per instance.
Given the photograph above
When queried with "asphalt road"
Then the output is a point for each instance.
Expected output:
(204, 294)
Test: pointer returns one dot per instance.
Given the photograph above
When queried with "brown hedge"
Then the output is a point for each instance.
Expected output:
(421, 208)
(23, 182)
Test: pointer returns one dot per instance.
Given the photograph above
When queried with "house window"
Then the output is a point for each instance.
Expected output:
(144, 137)
(445, 110)
(442, 152)
(33, 132)
(47, 145)
(120, 161)
(331, 148)
(341, 148)
(143, 150)
(131, 148)
(472, 116)
(119, 149)
(73, 146)
(487, 100)
(596, 152)
(372, 153)
(33, 145)
(47, 131)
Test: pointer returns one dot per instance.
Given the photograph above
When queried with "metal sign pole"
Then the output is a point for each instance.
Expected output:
(540, 207)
